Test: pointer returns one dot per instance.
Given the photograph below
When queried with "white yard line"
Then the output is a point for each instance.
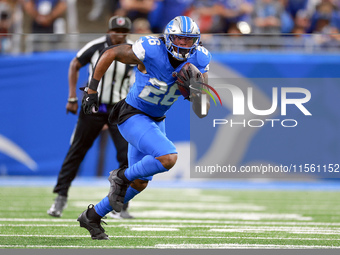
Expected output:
(180, 237)
(217, 228)
(218, 215)
(229, 229)
(183, 246)
(178, 221)
(188, 206)
(178, 198)
(292, 231)
(78, 246)
(241, 246)
(153, 229)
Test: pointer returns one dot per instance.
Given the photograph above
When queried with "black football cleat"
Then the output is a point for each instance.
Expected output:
(118, 189)
(96, 230)
(58, 206)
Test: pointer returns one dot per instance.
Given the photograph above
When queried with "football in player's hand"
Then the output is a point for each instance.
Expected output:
(189, 80)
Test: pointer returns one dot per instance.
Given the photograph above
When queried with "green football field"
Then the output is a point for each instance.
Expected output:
(177, 218)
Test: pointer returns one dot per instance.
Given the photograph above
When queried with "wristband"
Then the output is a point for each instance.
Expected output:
(72, 99)
(94, 84)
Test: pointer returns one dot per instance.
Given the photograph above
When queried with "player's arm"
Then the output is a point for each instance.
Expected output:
(122, 53)
(73, 73)
(197, 101)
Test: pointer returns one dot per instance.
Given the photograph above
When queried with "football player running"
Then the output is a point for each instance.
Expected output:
(140, 116)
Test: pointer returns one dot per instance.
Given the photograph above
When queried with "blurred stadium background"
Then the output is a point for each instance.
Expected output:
(35, 131)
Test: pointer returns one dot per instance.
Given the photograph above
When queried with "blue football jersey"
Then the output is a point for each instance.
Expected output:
(155, 91)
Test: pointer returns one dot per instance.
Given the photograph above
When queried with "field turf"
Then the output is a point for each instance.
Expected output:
(176, 218)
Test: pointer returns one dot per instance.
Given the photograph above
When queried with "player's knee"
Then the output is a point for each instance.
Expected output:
(168, 161)
(139, 185)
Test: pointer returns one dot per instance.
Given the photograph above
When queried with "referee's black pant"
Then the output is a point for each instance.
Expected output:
(87, 130)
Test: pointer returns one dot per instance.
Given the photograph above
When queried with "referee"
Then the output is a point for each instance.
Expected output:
(113, 87)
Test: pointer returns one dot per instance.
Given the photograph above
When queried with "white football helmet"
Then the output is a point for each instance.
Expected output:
(181, 26)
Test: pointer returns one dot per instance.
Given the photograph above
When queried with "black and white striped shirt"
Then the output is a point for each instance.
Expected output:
(115, 83)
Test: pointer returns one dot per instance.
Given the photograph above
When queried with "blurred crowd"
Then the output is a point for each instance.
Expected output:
(234, 17)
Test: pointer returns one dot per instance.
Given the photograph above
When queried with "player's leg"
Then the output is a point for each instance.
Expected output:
(137, 186)
(86, 131)
(149, 138)
(122, 151)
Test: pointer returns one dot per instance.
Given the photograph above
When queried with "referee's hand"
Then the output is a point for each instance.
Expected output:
(72, 107)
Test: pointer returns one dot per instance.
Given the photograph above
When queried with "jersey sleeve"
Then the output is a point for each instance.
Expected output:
(203, 59)
(139, 48)
(147, 48)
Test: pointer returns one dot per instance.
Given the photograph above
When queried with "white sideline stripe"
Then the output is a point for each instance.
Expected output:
(153, 229)
(38, 225)
(52, 236)
(218, 227)
(78, 246)
(189, 205)
(276, 228)
(187, 237)
(183, 221)
(181, 246)
(239, 246)
(294, 230)
(211, 215)
(260, 230)
(206, 199)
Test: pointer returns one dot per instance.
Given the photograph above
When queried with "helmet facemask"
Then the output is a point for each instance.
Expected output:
(180, 52)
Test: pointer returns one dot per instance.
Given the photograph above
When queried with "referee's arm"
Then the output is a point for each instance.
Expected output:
(73, 73)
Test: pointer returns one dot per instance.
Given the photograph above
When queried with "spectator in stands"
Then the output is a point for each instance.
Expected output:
(141, 26)
(234, 11)
(226, 14)
(203, 13)
(326, 15)
(6, 13)
(47, 21)
(135, 9)
(267, 17)
(294, 6)
(311, 6)
(5, 16)
(45, 13)
(302, 22)
(166, 10)
(97, 9)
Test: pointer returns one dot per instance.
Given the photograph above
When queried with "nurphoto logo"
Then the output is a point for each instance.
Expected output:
(243, 102)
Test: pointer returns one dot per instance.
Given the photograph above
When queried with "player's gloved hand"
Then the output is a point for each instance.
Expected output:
(90, 103)
(189, 81)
